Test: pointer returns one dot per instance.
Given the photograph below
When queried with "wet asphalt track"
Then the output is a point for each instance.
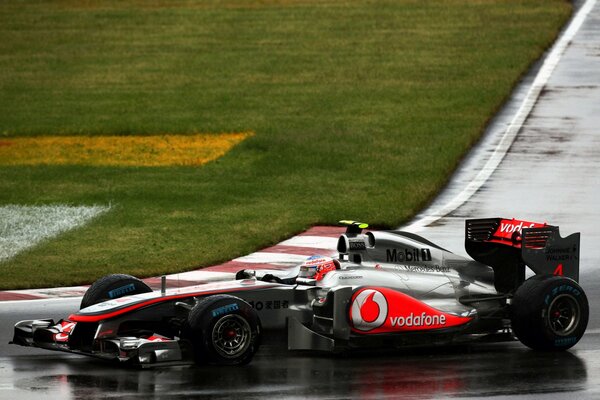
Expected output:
(551, 173)
(478, 370)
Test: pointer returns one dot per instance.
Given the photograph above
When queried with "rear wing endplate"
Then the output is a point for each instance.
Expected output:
(546, 252)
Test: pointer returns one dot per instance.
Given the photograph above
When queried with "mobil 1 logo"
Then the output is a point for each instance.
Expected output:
(407, 255)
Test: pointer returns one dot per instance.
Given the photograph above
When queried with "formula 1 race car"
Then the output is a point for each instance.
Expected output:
(387, 289)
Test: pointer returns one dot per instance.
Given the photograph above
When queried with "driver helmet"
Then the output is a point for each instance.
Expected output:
(315, 268)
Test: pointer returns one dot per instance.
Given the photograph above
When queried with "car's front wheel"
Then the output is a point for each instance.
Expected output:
(112, 287)
(549, 312)
(224, 330)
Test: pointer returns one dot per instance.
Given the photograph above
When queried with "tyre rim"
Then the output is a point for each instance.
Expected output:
(231, 336)
(563, 315)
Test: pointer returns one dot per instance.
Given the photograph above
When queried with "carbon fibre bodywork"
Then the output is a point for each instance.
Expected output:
(392, 289)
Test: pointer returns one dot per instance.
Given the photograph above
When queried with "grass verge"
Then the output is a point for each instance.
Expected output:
(361, 110)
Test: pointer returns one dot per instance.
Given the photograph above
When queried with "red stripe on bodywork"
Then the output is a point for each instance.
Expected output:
(124, 310)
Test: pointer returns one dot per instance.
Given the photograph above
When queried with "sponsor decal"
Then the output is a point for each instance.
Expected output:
(407, 255)
(418, 320)
(566, 289)
(384, 310)
(561, 253)
(369, 310)
(357, 245)
(568, 341)
(423, 268)
(269, 305)
(511, 227)
(225, 309)
(120, 291)
(351, 277)
(315, 260)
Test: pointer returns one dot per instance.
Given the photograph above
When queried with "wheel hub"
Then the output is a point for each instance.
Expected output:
(564, 315)
(231, 335)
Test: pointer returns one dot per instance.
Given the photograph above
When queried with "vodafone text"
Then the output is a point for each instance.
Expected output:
(510, 228)
(422, 319)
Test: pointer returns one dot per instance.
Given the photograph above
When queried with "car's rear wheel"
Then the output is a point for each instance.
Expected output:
(224, 330)
(549, 312)
(112, 287)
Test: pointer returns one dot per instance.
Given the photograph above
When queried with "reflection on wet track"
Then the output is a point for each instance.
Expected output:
(463, 371)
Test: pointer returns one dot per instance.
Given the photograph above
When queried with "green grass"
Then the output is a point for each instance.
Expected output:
(361, 110)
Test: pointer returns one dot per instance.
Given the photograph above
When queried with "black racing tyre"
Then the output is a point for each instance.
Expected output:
(112, 287)
(224, 330)
(549, 313)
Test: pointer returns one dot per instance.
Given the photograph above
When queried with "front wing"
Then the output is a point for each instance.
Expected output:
(144, 351)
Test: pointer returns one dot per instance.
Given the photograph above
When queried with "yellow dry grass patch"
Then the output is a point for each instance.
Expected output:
(139, 151)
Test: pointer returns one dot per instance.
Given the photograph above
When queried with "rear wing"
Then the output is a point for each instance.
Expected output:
(508, 245)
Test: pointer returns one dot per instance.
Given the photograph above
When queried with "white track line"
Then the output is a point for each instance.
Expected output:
(514, 127)
(22, 227)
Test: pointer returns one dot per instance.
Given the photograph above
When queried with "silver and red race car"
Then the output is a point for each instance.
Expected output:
(387, 289)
